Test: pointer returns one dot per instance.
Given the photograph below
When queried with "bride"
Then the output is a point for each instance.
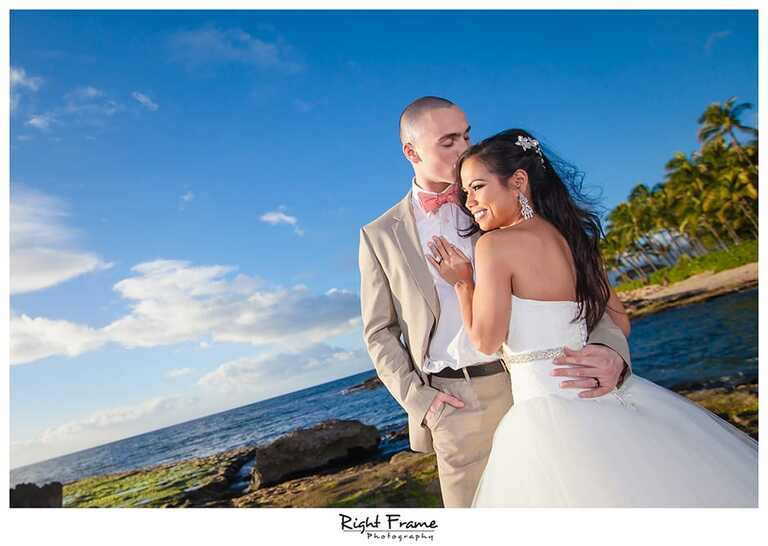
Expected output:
(540, 287)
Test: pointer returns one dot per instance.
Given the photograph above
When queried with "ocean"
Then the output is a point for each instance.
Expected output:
(708, 344)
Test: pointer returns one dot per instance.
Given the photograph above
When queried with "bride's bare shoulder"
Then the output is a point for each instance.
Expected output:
(515, 245)
(503, 242)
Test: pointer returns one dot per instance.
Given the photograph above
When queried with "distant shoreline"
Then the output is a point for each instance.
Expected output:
(698, 288)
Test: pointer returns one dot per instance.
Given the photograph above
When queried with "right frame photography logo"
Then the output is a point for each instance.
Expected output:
(392, 526)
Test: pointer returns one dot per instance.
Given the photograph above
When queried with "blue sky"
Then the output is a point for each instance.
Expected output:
(187, 187)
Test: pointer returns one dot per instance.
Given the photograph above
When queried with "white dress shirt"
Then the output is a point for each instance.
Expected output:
(444, 223)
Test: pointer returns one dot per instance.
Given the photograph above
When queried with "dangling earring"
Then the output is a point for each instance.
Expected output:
(525, 206)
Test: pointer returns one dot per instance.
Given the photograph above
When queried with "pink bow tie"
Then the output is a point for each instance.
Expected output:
(432, 203)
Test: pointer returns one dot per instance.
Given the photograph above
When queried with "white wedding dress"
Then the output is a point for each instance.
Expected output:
(642, 445)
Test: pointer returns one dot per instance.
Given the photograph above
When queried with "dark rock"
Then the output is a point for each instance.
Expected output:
(29, 495)
(369, 384)
(396, 435)
(330, 444)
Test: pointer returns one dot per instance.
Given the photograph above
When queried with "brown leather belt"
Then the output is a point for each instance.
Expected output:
(476, 370)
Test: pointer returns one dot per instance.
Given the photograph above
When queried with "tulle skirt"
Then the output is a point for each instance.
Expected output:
(646, 447)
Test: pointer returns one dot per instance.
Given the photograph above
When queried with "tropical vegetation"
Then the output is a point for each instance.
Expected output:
(706, 203)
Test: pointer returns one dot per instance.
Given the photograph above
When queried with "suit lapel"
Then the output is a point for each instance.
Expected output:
(407, 237)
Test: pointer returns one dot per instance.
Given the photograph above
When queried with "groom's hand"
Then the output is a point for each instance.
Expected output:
(434, 409)
(590, 363)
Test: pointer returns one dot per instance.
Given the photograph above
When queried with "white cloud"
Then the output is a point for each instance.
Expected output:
(36, 338)
(715, 37)
(38, 268)
(178, 372)
(145, 101)
(19, 78)
(208, 46)
(170, 279)
(109, 418)
(262, 375)
(22, 82)
(185, 198)
(178, 302)
(42, 253)
(89, 105)
(85, 105)
(105, 425)
(338, 291)
(41, 121)
(88, 92)
(175, 302)
(279, 217)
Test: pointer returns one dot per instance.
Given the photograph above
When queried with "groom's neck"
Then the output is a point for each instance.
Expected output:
(433, 186)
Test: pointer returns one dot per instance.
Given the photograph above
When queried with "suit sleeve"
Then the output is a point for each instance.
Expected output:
(607, 333)
(381, 332)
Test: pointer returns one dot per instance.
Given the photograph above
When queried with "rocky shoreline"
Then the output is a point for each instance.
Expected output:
(353, 475)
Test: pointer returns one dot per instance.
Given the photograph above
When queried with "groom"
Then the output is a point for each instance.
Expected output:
(410, 314)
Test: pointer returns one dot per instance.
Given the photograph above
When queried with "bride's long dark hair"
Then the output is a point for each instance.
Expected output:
(557, 196)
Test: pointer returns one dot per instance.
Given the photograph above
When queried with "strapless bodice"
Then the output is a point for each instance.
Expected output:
(538, 330)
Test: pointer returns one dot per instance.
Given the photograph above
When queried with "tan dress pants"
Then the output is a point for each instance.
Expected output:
(462, 437)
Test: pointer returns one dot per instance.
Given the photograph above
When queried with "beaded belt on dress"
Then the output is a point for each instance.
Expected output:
(530, 356)
(546, 354)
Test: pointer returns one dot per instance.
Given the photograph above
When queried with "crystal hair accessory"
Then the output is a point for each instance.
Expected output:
(528, 143)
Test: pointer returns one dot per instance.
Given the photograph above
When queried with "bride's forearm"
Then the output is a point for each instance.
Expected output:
(464, 292)
(485, 342)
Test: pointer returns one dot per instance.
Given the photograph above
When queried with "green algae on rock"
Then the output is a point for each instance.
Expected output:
(191, 482)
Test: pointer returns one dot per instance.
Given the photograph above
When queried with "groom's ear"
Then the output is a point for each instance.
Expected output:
(410, 153)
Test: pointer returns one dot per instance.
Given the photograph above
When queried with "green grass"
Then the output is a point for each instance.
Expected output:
(720, 260)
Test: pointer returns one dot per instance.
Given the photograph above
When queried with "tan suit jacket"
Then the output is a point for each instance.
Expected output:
(400, 309)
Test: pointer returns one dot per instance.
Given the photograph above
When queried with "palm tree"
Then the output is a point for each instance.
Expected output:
(690, 181)
(664, 198)
(624, 226)
(719, 120)
(733, 193)
(610, 249)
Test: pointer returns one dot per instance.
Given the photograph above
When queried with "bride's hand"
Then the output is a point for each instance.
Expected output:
(449, 261)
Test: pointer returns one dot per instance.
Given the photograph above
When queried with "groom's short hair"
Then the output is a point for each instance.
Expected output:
(415, 110)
